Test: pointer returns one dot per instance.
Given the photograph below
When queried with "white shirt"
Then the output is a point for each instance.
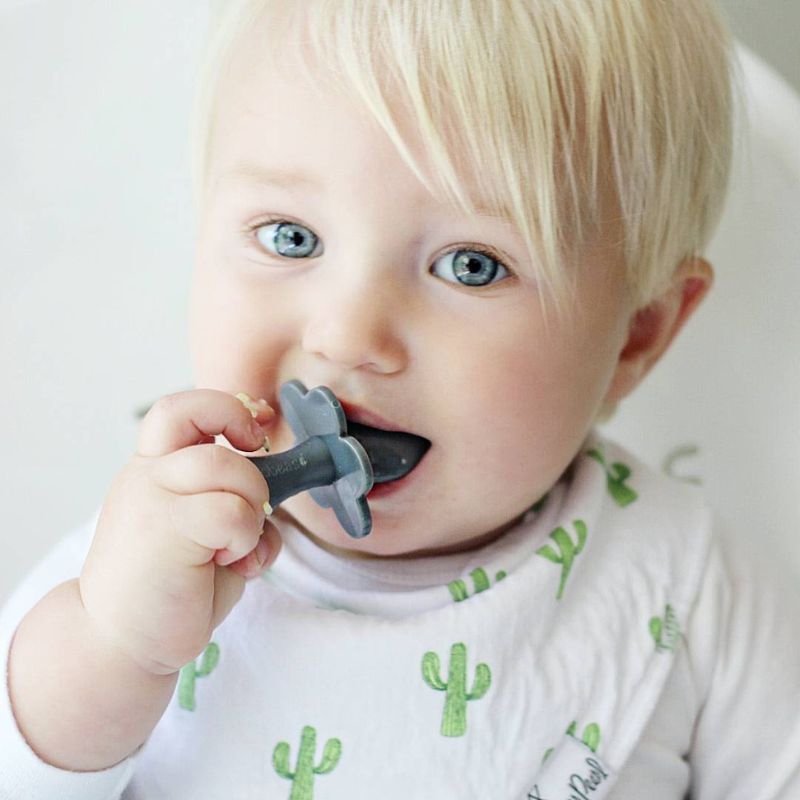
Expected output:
(355, 666)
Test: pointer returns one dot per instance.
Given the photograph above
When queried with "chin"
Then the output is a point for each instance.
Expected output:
(321, 524)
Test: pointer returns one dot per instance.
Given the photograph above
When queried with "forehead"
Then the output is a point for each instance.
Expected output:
(272, 118)
(282, 120)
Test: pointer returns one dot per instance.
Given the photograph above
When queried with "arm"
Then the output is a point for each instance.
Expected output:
(93, 665)
(743, 645)
(22, 772)
(80, 704)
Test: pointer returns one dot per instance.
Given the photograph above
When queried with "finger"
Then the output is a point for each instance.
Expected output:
(228, 590)
(262, 412)
(203, 524)
(212, 468)
(185, 418)
(262, 557)
(259, 409)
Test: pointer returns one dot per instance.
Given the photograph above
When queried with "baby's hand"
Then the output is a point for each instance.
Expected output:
(181, 529)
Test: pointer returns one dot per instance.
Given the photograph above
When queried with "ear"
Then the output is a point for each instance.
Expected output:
(654, 327)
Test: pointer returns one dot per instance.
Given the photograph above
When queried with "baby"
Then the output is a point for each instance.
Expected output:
(480, 222)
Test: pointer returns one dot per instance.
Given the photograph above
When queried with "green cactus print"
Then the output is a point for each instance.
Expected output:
(479, 578)
(454, 720)
(568, 550)
(303, 776)
(591, 737)
(190, 673)
(623, 495)
(666, 632)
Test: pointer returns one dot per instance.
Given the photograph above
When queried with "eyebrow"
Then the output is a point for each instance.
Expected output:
(250, 172)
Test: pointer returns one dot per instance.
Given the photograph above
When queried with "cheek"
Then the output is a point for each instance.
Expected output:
(533, 405)
(235, 334)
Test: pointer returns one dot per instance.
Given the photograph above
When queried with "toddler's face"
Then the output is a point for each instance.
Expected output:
(391, 303)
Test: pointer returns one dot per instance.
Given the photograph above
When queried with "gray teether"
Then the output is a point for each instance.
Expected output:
(336, 468)
(327, 462)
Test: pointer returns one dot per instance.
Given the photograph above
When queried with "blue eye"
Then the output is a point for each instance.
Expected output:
(289, 239)
(467, 267)
(471, 268)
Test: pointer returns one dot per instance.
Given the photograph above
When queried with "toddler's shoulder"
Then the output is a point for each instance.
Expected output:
(743, 664)
(741, 575)
(637, 495)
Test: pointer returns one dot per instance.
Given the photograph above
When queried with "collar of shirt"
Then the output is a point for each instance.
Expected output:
(394, 588)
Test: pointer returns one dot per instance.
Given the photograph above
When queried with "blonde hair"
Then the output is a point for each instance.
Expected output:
(546, 99)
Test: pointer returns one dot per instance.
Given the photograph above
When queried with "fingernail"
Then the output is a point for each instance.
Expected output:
(248, 403)
(268, 509)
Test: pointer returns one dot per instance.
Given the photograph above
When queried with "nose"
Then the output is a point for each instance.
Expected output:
(357, 324)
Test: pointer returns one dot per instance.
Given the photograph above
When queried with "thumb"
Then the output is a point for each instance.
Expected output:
(262, 556)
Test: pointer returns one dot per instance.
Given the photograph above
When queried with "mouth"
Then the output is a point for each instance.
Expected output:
(393, 453)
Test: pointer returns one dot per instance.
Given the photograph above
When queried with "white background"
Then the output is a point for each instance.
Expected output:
(96, 241)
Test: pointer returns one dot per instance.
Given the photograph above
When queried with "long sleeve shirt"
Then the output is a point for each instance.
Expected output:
(617, 642)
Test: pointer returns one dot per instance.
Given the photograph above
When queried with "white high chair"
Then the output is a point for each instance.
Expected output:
(97, 248)
(723, 406)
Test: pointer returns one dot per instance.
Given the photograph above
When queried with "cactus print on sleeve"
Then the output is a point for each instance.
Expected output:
(667, 632)
(190, 673)
(591, 737)
(303, 776)
(591, 734)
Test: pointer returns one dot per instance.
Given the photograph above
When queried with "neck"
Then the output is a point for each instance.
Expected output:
(459, 547)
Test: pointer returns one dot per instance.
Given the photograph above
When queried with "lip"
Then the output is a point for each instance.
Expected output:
(362, 416)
